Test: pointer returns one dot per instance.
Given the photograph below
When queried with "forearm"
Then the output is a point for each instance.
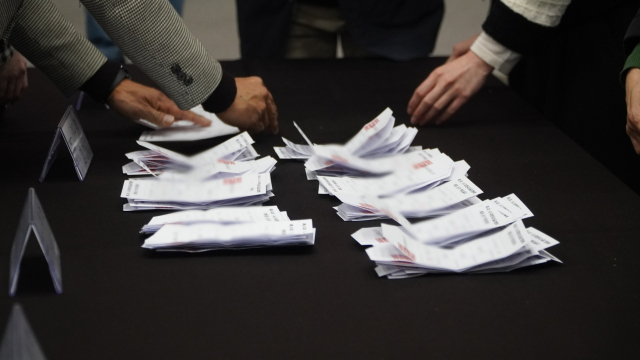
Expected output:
(156, 39)
(51, 43)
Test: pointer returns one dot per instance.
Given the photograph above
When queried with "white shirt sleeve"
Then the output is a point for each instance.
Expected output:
(542, 12)
(495, 54)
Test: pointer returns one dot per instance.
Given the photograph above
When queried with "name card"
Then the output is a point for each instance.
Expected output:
(19, 341)
(34, 219)
(71, 131)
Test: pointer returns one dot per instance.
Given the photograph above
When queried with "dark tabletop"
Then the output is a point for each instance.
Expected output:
(124, 302)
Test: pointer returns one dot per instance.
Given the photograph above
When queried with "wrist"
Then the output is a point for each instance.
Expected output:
(479, 64)
(633, 78)
(101, 84)
(117, 89)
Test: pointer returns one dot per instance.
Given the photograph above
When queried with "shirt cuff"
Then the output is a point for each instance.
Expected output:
(99, 85)
(6, 52)
(223, 96)
(633, 61)
(495, 54)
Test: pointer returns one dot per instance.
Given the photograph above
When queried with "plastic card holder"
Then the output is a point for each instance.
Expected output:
(34, 219)
(71, 131)
(19, 341)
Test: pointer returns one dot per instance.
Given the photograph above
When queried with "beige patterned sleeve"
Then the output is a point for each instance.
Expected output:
(38, 30)
(154, 37)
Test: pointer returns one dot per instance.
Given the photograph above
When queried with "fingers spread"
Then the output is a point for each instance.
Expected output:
(455, 105)
(421, 92)
(440, 106)
(419, 116)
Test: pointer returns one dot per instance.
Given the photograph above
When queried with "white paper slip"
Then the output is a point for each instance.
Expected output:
(246, 154)
(236, 143)
(294, 151)
(369, 236)
(371, 134)
(222, 169)
(421, 203)
(157, 159)
(286, 153)
(515, 201)
(197, 192)
(227, 215)
(480, 251)
(184, 130)
(254, 200)
(209, 236)
(395, 137)
(304, 136)
(461, 224)
(405, 179)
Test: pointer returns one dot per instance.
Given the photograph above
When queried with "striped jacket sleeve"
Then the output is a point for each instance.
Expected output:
(37, 29)
(155, 38)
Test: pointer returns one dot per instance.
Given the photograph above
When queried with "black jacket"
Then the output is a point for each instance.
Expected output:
(395, 29)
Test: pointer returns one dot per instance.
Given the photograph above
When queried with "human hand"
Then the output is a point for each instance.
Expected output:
(447, 88)
(462, 48)
(135, 101)
(13, 79)
(253, 109)
(633, 107)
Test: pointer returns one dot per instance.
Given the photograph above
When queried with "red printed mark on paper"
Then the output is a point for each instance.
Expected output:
(389, 214)
(371, 125)
(228, 162)
(339, 158)
(400, 257)
(367, 206)
(422, 164)
(411, 255)
(231, 181)
(382, 240)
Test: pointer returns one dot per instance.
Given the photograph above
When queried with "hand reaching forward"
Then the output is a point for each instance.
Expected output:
(447, 88)
(135, 101)
(633, 107)
(13, 79)
(253, 109)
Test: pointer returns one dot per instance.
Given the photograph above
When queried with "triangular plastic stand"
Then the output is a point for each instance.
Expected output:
(19, 342)
(33, 219)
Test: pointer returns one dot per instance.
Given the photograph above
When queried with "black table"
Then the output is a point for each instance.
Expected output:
(121, 301)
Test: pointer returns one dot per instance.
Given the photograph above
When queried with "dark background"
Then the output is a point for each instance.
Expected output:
(122, 301)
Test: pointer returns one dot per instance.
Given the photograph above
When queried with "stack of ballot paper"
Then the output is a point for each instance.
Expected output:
(157, 160)
(488, 236)
(417, 171)
(377, 138)
(444, 199)
(215, 236)
(184, 130)
(227, 215)
(153, 194)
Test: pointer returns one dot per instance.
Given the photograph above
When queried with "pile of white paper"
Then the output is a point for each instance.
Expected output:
(213, 236)
(444, 199)
(227, 215)
(184, 130)
(488, 236)
(377, 138)
(157, 160)
(251, 189)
